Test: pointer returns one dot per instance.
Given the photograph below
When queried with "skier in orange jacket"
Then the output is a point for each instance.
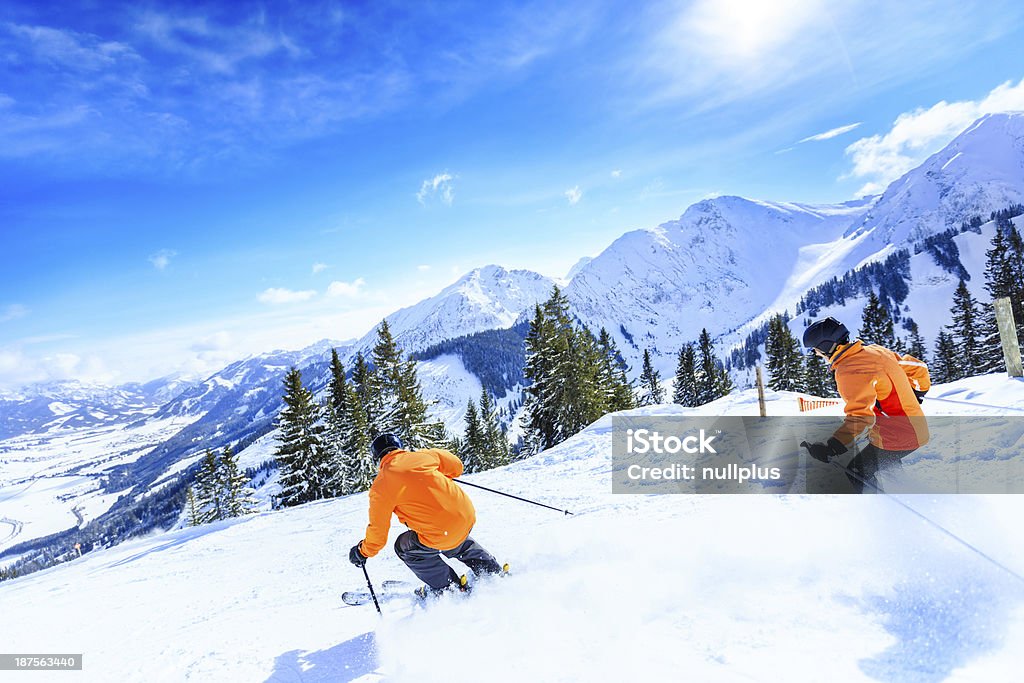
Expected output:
(883, 392)
(417, 486)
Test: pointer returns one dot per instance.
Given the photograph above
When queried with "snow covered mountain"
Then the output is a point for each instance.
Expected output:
(723, 262)
(729, 261)
(980, 171)
(483, 299)
(73, 404)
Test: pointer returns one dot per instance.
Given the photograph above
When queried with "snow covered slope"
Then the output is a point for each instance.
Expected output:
(483, 299)
(713, 588)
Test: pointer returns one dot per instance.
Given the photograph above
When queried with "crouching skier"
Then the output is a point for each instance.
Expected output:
(417, 486)
(883, 392)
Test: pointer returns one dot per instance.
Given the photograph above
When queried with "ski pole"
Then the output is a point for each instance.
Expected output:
(370, 586)
(502, 493)
(921, 516)
(973, 404)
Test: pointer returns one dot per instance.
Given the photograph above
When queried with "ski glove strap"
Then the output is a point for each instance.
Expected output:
(355, 556)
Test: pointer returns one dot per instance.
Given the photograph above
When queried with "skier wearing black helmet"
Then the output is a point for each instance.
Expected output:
(883, 392)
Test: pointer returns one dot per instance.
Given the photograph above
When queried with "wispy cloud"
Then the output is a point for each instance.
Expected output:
(346, 290)
(423, 268)
(281, 295)
(915, 135)
(574, 195)
(617, 173)
(829, 134)
(319, 268)
(440, 186)
(162, 258)
(12, 312)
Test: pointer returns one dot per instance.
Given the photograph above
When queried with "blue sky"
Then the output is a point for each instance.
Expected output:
(183, 184)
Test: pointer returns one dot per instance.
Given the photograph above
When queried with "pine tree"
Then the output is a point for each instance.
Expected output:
(403, 411)
(713, 381)
(192, 508)
(876, 324)
(651, 391)
(358, 468)
(818, 380)
(238, 497)
(305, 471)
(495, 444)
(473, 442)
(618, 390)
(784, 361)
(946, 366)
(964, 327)
(363, 382)
(336, 423)
(915, 344)
(210, 501)
(684, 386)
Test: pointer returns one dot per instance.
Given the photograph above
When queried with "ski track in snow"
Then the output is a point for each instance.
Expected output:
(633, 587)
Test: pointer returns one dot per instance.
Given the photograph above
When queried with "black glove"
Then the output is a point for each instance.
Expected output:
(825, 451)
(920, 395)
(356, 557)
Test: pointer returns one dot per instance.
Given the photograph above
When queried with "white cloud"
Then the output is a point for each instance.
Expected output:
(617, 173)
(348, 290)
(162, 258)
(829, 134)
(319, 268)
(423, 268)
(12, 312)
(218, 341)
(439, 186)
(280, 295)
(574, 195)
(882, 158)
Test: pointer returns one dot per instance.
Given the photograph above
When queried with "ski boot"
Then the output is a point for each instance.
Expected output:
(425, 592)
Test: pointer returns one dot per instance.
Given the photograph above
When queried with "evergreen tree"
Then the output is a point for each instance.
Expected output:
(651, 391)
(403, 411)
(784, 362)
(915, 344)
(564, 368)
(818, 380)
(358, 468)
(305, 469)
(238, 496)
(713, 381)
(965, 326)
(363, 382)
(946, 366)
(495, 444)
(618, 390)
(684, 386)
(192, 508)
(473, 443)
(210, 501)
(876, 324)
(336, 418)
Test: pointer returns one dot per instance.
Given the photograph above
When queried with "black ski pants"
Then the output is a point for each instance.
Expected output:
(871, 460)
(426, 563)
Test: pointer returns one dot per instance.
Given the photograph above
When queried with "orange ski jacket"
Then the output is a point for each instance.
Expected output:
(878, 387)
(417, 486)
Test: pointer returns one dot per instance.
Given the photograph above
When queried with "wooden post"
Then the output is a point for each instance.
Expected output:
(760, 393)
(1008, 336)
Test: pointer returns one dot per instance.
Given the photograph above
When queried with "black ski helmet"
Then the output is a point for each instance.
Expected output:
(384, 444)
(824, 335)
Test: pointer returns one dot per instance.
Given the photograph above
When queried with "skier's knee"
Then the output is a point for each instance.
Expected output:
(404, 543)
